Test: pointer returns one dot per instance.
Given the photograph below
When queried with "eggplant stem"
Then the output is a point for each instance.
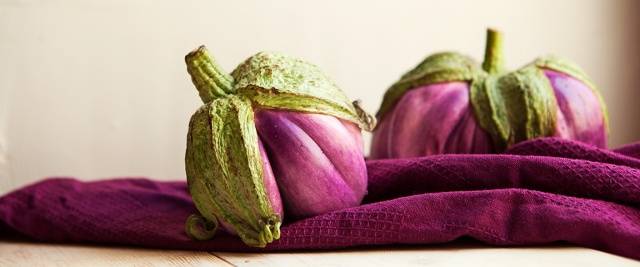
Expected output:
(493, 60)
(208, 77)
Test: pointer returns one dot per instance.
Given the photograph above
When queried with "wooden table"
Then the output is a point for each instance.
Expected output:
(23, 253)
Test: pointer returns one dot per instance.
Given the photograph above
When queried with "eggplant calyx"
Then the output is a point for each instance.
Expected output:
(199, 228)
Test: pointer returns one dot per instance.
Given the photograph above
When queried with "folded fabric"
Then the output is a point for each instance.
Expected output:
(540, 191)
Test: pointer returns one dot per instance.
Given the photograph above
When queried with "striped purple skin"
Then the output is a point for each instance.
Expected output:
(438, 119)
(580, 115)
(431, 119)
(317, 161)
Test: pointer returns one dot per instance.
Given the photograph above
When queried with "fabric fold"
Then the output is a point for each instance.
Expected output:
(538, 192)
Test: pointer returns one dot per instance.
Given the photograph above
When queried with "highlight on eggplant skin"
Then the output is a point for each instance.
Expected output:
(275, 140)
(450, 104)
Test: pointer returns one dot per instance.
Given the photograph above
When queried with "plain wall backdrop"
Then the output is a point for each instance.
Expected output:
(98, 89)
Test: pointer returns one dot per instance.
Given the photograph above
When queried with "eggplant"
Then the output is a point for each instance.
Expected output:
(449, 104)
(274, 137)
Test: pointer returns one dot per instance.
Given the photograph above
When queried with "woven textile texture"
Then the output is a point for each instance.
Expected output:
(538, 192)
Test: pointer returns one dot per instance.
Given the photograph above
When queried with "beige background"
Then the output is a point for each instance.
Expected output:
(98, 89)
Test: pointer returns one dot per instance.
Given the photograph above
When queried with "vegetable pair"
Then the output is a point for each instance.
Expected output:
(278, 137)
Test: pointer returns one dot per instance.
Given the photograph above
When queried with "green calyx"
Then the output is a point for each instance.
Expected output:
(223, 160)
(510, 106)
(275, 81)
(514, 107)
(437, 68)
(200, 228)
(224, 170)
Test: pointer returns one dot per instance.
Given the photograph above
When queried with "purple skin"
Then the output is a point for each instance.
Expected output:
(580, 115)
(438, 119)
(317, 161)
(431, 119)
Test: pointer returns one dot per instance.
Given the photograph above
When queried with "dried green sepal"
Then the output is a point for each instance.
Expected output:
(564, 66)
(440, 67)
(514, 107)
(277, 81)
(200, 228)
(272, 99)
(224, 170)
(367, 119)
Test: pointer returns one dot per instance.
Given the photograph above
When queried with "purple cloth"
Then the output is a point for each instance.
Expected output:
(540, 191)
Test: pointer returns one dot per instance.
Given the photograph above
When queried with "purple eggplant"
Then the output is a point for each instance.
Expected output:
(451, 104)
(275, 138)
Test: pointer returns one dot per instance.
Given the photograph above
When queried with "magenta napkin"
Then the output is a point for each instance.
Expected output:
(538, 192)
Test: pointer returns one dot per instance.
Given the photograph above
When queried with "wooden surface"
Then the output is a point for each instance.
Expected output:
(20, 253)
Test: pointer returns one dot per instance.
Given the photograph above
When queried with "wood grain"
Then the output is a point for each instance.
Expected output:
(443, 255)
(20, 253)
(35, 254)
